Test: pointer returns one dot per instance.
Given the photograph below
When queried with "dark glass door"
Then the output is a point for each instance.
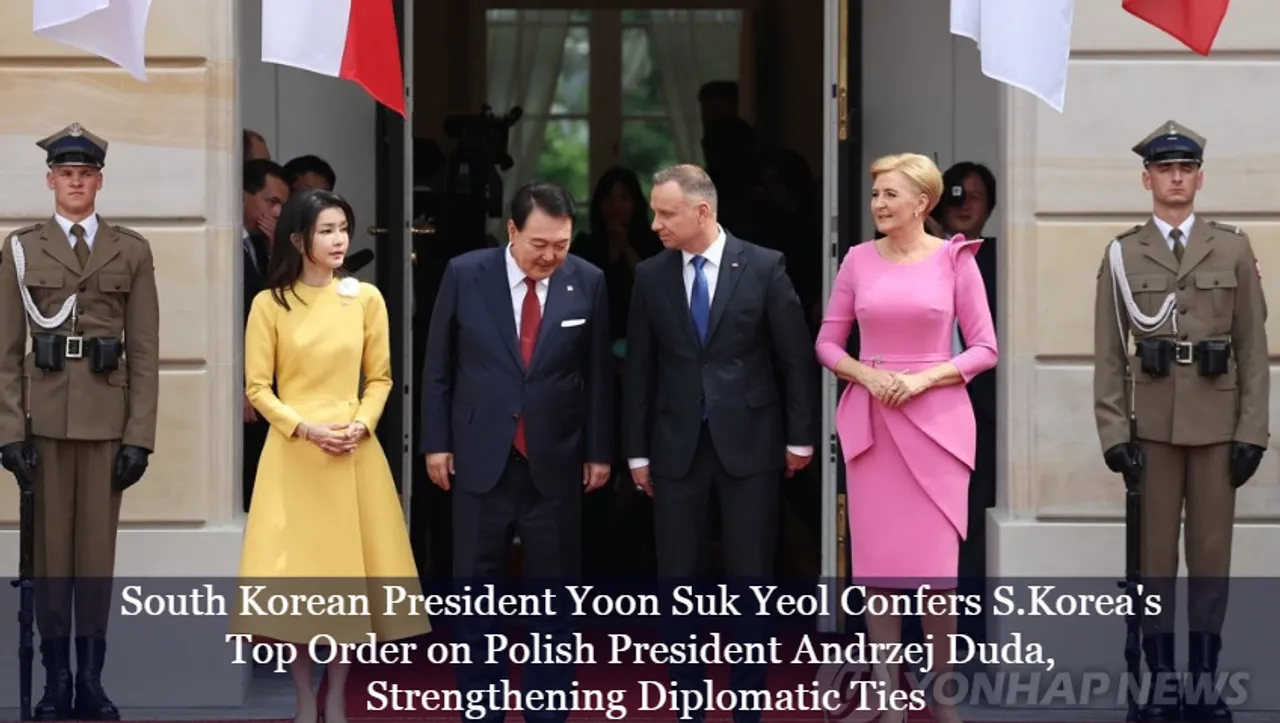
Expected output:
(391, 248)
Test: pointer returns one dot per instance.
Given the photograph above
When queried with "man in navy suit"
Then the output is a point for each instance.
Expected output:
(517, 412)
(719, 401)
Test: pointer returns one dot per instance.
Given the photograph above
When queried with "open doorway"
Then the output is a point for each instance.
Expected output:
(611, 93)
(949, 110)
(600, 87)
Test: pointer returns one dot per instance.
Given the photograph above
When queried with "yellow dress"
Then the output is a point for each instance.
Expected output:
(324, 533)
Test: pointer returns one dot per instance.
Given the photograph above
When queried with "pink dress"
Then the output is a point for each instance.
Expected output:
(908, 467)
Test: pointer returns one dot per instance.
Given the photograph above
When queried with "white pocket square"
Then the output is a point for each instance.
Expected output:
(573, 322)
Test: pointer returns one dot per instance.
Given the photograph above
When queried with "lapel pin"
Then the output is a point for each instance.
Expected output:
(733, 265)
(569, 287)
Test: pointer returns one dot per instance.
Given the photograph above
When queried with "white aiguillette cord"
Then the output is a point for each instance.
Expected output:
(1138, 320)
(33, 311)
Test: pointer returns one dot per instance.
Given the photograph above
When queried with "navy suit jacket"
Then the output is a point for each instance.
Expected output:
(475, 384)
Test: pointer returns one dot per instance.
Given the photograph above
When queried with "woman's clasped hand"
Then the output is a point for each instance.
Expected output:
(334, 439)
(893, 389)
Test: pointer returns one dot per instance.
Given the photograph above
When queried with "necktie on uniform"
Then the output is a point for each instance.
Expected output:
(700, 299)
(530, 323)
(82, 247)
(1178, 248)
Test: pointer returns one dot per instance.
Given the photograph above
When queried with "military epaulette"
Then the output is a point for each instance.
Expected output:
(16, 233)
(25, 229)
(129, 232)
(1130, 232)
(1227, 227)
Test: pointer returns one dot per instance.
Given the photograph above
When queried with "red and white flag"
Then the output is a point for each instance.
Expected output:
(111, 29)
(351, 39)
(1194, 23)
(1023, 43)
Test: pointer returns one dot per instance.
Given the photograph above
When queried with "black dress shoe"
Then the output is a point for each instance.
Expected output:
(1202, 656)
(1164, 704)
(92, 702)
(55, 704)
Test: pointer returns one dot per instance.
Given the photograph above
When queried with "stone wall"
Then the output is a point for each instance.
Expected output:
(170, 174)
(1070, 184)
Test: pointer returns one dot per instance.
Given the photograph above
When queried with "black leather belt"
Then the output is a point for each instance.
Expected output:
(1183, 352)
(73, 346)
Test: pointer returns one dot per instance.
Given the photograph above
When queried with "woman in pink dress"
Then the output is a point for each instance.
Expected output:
(905, 423)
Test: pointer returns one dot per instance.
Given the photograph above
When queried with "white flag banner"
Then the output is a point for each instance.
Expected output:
(1025, 44)
(112, 29)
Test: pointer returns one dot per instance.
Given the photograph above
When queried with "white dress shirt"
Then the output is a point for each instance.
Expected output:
(1166, 229)
(90, 226)
(516, 277)
(711, 270)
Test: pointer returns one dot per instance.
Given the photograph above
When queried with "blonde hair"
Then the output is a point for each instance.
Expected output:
(920, 171)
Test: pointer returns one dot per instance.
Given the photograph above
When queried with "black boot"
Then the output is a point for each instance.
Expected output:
(92, 702)
(55, 655)
(1202, 658)
(1164, 702)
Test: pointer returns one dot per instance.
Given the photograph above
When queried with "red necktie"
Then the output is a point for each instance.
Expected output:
(530, 321)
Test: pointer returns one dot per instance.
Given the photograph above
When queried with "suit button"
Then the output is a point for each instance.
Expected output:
(1183, 286)
(83, 287)
(515, 416)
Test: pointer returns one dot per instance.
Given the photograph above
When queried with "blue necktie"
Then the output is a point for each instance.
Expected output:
(700, 308)
(700, 299)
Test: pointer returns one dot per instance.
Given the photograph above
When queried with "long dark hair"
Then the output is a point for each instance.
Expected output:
(638, 224)
(298, 218)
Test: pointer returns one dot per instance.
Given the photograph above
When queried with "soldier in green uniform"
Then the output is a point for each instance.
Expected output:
(1189, 292)
(82, 291)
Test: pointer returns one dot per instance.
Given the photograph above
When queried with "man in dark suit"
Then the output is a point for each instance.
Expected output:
(517, 412)
(719, 394)
(265, 191)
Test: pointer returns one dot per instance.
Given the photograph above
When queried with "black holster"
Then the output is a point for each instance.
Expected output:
(1155, 356)
(1212, 357)
(50, 351)
(104, 354)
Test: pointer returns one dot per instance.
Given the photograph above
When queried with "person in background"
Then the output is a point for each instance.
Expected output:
(265, 190)
(517, 416)
(787, 218)
(729, 148)
(967, 203)
(618, 239)
(906, 426)
(325, 517)
(719, 401)
(255, 146)
(310, 171)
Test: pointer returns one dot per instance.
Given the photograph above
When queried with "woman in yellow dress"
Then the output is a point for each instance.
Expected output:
(325, 521)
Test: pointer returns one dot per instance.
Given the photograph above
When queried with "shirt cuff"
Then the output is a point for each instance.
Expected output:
(638, 462)
(801, 451)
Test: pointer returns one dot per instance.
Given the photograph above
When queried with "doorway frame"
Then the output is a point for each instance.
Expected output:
(842, 149)
(393, 259)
